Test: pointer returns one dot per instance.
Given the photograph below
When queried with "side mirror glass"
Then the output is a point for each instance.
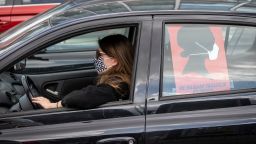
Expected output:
(20, 65)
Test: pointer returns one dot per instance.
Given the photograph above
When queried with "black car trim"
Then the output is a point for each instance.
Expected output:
(154, 69)
(93, 128)
(202, 118)
(63, 110)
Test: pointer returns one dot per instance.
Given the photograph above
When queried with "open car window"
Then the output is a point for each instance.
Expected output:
(72, 54)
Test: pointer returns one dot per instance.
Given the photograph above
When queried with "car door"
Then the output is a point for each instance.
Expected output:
(5, 12)
(116, 122)
(202, 80)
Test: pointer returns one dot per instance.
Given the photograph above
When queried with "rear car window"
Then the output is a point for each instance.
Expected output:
(201, 58)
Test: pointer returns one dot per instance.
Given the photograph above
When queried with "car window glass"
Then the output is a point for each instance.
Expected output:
(86, 11)
(74, 53)
(21, 32)
(150, 5)
(41, 1)
(2, 2)
(208, 58)
(86, 42)
(246, 9)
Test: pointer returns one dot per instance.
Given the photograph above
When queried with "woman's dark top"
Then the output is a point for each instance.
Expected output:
(93, 96)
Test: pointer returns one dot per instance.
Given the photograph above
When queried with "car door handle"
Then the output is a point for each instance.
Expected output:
(3, 22)
(120, 140)
(52, 92)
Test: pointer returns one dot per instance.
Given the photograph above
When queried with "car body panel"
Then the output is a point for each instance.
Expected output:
(230, 125)
(87, 126)
(5, 16)
(131, 111)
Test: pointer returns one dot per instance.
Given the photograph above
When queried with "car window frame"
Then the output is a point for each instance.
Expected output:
(106, 105)
(155, 92)
(213, 93)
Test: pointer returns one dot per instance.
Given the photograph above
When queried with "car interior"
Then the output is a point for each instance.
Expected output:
(54, 71)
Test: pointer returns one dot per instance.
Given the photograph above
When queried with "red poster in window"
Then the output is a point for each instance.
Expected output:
(199, 59)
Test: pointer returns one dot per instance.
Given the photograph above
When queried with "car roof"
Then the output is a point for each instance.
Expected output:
(177, 5)
(125, 7)
(90, 9)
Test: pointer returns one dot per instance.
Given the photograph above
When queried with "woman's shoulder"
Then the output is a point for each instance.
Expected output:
(120, 90)
(123, 90)
(123, 85)
(119, 84)
(116, 78)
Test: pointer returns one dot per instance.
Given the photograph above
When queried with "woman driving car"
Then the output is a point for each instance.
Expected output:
(113, 62)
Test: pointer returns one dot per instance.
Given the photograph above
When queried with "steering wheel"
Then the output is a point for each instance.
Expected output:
(30, 89)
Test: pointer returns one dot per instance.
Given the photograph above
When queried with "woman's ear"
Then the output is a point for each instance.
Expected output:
(114, 62)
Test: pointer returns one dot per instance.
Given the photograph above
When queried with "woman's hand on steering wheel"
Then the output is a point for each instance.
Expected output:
(44, 102)
(30, 89)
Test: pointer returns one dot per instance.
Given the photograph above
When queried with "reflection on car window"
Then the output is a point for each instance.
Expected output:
(40, 27)
(86, 42)
(20, 32)
(208, 58)
(247, 9)
(74, 53)
(2, 2)
(151, 5)
(85, 11)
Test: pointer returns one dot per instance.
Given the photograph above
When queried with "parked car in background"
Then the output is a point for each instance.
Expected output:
(194, 73)
(13, 12)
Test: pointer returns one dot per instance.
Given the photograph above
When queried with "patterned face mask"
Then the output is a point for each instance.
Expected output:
(99, 64)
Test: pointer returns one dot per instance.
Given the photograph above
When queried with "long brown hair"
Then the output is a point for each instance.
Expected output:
(117, 47)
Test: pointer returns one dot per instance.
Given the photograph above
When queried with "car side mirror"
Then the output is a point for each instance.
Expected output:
(20, 65)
